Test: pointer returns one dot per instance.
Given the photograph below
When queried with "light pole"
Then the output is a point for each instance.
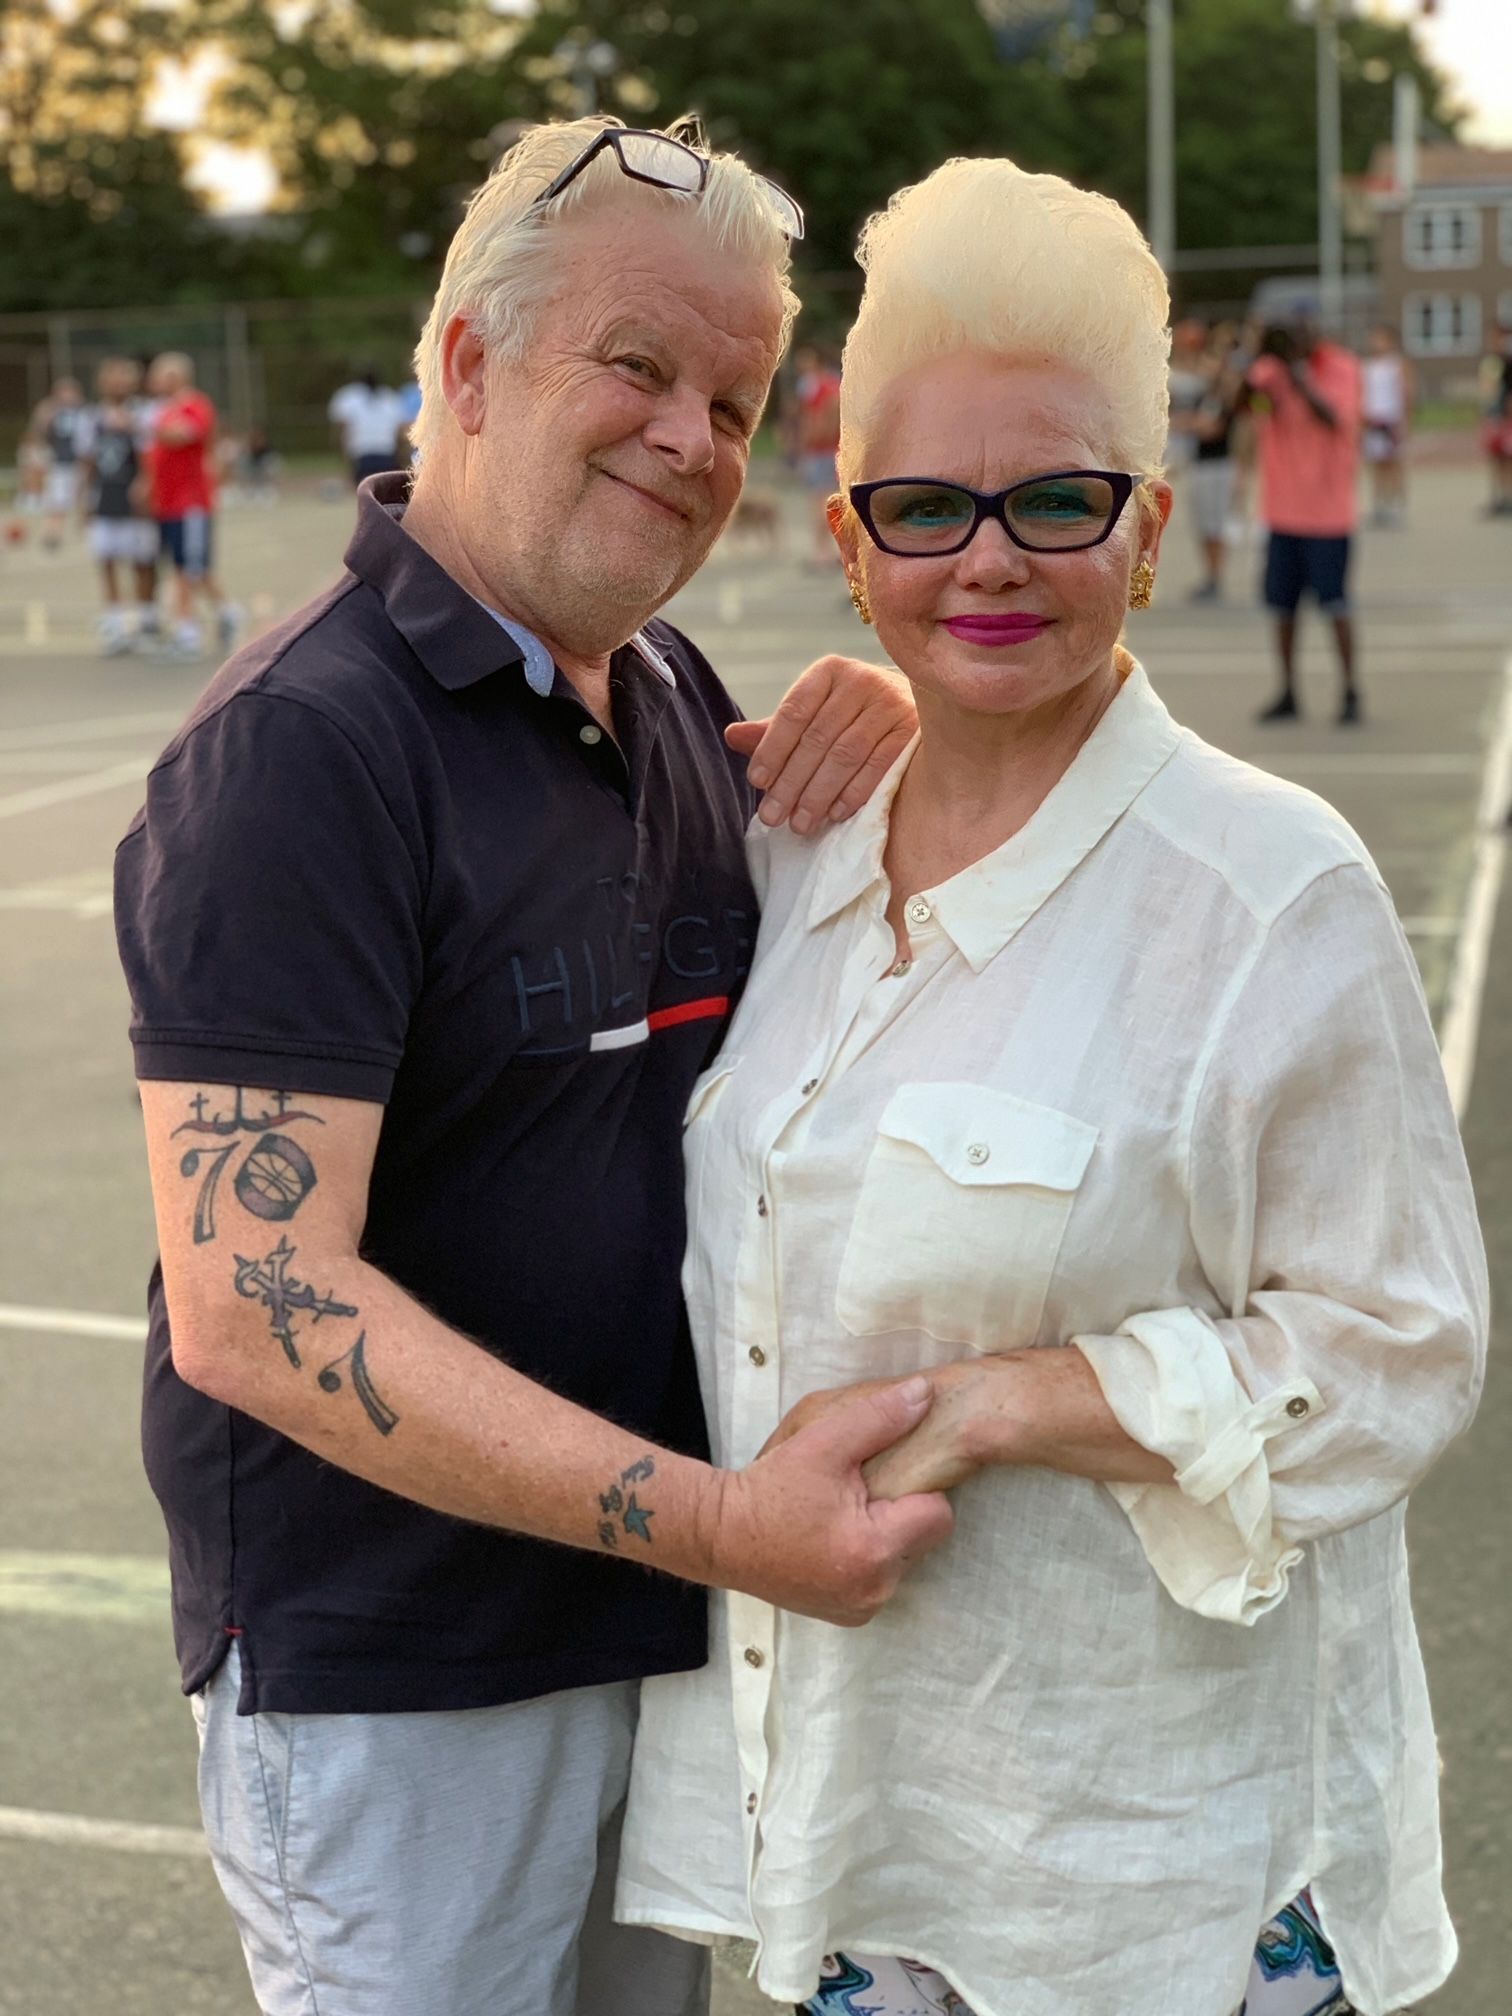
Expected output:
(1330, 169)
(1160, 142)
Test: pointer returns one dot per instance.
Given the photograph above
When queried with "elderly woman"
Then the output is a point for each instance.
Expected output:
(1087, 1069)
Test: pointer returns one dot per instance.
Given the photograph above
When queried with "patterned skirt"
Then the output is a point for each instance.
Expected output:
(1294, 1973)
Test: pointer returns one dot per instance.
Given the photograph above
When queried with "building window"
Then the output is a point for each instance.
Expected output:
(1441, 325)
(1442, 234)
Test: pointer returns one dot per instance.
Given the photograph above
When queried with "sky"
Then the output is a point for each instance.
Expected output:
(1470, 40)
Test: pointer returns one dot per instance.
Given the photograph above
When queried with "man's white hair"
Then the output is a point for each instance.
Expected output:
(502, 263)
(984, 256)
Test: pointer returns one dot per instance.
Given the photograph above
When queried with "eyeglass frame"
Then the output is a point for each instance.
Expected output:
(991, 504)
(611, 136)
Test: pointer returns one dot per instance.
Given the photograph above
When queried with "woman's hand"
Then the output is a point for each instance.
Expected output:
(814, 1406)
(947, 1446)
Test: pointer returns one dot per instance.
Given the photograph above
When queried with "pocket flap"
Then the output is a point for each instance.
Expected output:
(977, 1135)
(704, 1087)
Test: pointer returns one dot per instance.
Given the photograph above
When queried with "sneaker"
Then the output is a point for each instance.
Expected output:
(185, 641)
(228, 624)
(1208, 591)
(1350, 714)
(1284, 709)
(115, 634)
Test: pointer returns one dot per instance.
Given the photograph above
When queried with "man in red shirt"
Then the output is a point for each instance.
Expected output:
(1307, 395)
(182, 485)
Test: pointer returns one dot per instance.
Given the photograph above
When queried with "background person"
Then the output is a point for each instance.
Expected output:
(1088, 1071)
(56, 429)
(181, 480)
(1496, 432)
(370, 418)
(122, 538)
(817, 431)
(1305, 394)
(1211, 487)
(1388, 394)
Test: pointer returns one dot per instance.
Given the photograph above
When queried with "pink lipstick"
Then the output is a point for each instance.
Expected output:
(1001, 629)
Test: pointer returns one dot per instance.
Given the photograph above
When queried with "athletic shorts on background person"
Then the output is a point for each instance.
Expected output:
(818, 471)
(1209, 497)
(133, 541)
(188, 543)
(1297, 565)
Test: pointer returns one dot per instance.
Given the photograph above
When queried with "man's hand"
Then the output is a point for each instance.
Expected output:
(798, 1529)
(837, 732)
(937, 1454)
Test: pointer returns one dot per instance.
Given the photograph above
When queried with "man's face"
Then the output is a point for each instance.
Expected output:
(166, 379)
(609, 459)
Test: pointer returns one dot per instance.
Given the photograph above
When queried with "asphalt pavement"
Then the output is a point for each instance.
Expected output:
(106, 1901)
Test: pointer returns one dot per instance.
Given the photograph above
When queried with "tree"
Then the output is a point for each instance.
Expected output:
(90, 194)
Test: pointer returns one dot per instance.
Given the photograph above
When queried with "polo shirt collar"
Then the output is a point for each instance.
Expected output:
(983, 907)
(458, 639)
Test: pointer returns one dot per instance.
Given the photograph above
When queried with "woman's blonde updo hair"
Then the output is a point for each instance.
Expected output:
(983, 256)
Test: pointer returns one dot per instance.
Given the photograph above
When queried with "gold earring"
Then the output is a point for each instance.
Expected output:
(1142, 586)
(858, 597)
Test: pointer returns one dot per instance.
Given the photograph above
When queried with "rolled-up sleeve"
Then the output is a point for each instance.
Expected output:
(1335, 1339)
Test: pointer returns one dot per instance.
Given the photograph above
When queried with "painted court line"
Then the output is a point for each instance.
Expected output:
(90, 728)
(73, 1323)
(100, 1588)
(1466, 993)
(73, 1830)
(43, 795)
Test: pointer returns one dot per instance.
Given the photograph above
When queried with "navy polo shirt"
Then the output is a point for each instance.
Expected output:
(388, 858)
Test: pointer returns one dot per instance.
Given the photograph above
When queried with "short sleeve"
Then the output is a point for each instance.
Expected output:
(269, 907)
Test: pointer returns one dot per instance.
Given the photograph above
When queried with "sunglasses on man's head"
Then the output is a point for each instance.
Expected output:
(666, 164)
(919, 517)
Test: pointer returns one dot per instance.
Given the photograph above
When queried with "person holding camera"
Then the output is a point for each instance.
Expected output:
(1306, 393)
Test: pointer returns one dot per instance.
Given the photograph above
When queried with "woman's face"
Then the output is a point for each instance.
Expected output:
(987, 422)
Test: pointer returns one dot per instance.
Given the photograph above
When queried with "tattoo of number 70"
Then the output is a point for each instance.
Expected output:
(276, 1176)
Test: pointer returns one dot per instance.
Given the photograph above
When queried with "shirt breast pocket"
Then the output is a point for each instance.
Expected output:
(963, 1206)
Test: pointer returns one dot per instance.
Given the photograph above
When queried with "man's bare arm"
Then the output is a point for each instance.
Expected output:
(261, 1198)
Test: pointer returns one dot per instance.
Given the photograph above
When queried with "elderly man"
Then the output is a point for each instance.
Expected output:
(436, 910)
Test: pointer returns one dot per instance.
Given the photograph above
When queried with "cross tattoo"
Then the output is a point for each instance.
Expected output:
(270, 1282)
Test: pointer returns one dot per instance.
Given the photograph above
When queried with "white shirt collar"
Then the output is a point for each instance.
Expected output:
(986, 904)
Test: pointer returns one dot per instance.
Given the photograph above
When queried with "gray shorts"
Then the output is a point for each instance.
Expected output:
(449, 1864)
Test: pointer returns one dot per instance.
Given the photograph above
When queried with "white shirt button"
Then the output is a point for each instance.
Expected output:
(590, 734)
(1297, 1408)
(761, 1207)
(754, 1657)
(750, 1802)
(757, 1355)
(919, 911)
(977, 1153)
(810, 1085)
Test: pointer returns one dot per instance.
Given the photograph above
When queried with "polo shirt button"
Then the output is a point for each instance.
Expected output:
(754, 1658)
(811, 1086)
(757, 1355)
(1297, 1408)
(750, 1802)
(977, 1153)
(590, 734)
(918, 911)
(761, 1207)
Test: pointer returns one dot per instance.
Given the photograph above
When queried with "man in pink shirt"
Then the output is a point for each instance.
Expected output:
(1306, 394)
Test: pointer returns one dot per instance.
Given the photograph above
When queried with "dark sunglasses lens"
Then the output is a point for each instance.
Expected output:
(921, 517)
(1061, 511)
(664, 161)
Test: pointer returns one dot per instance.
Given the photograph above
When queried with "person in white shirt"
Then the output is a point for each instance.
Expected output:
(1388, 390)
(1088, 1070)
(370, 418)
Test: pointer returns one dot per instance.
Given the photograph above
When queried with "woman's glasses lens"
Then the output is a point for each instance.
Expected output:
(1047, 514)
(1066, 511)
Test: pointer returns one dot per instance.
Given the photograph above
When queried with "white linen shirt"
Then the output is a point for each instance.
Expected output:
(1160, 1081)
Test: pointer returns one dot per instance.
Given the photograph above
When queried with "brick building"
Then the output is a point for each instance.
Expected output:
(1444, 258)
